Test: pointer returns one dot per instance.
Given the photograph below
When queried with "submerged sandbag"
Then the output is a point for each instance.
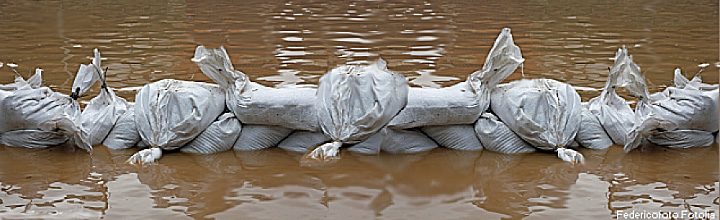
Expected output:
(354, 102)
(544, 112)
(458, 137)
(258, 137)
(32, 138)
(103, 111)
(464, 102)
(682, 138)
(218, 137)
(253, 103)
(394, 141)
(303, 141)
(497, 137)
(124, 134)
(171, 113)
(591, 134)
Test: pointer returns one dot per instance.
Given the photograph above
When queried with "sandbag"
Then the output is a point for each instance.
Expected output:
(253, 103)
(34, 82)
(458, 137)
(258, 137)
(32, 138)
(303, 141)
(104, 110)
(497, 137)
(355, 101)
(591, 133)
(218, 137)
(464, 102)
(543, 112)
(124, 134)
(394, 141)
(171, 113)
(682, 138)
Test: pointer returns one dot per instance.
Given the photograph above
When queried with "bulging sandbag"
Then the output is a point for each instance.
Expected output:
(303, 141)
(253, 103)
(218, 137)
(464, 102)
(356, 101)
(544, 112)
(32, 138)
(32, 107)
(394, 141)
(104, 110)
(682, 138)
(497, 137)
(458, 137)
(258, 137)
(124, 134)
(591, 134)
(171, 113)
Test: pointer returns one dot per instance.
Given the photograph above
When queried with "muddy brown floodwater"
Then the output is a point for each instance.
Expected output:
(434, 43)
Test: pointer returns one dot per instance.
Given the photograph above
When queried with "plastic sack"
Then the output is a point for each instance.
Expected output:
(458, 137)
(354, 102)
(253, 103)
(544, 112)
(218, 137)
(30, 107)
(464, 102)
(303, 141)
(124, 134)
(32, 138)
(497, 137)
(171, 113)
(394, 141)
(591, 134)
(682, 138)
(104, 110)
(258, 137)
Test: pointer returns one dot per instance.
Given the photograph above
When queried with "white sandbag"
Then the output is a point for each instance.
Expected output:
(32, 138)
(355, 101)
(253, 103)
(543, 112)
(171, 113)
(124, 134)
(34, 82)
(303, 141)
(591, 134)
(103, 111)
(497, 137)
(218, 137)
(459, 137)
(464, 102)
(87, 75)
(28, 108)
(682, 138)
(696, 83)
(394, 141)
(258, 137)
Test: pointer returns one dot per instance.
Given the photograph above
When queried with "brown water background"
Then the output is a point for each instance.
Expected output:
(434, 43)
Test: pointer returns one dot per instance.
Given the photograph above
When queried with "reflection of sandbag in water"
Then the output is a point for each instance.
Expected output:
(258, 137)
(103, 111)
(356, 101)
(459, 137)
(171, 113)
(124, 134)
(218, 137)
(302, 141)
(497, 137)
(591, 134)
(253, 103)
(543, 112)
(395, 141)
(32, 107)
(464, 102)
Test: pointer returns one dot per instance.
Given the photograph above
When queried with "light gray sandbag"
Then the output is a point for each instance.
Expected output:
(124, 134)
(171, 113)
(464, 102)
(104, 110)
(303, 141)
(543, 112)
(497, 137)
(458, 137)
(591, 134)
(258, 137)
(32, 138)
(35, 81)
(40, 108)
(354, 102)
(682, 138)
(395, 141)
(218, 137)
(253, 103)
